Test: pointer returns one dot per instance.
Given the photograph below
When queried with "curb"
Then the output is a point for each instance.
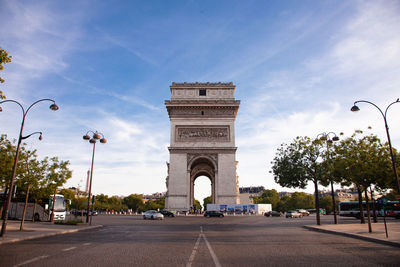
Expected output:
(48, 234)
(365, 238)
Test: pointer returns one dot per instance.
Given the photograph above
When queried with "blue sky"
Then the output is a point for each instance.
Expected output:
(298, 66)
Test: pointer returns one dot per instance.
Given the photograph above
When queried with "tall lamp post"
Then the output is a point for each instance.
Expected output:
(95, 136)
(384, 115)
(20, 138)
(326, 137)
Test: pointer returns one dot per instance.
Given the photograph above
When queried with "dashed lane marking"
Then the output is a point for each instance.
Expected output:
(68, 249)
(189, 264)
(215, 259)
(32, 260)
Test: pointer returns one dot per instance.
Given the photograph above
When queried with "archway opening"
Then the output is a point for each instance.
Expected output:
(202, 189)
(202, 173)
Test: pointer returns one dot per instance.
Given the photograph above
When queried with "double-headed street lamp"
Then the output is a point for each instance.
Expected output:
(384, 115)
(95, 136)
(326, 137)
(20, 138)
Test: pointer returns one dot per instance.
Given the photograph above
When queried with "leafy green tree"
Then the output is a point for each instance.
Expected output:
(7, 154)
(301, 200)
(296, 164)
(4, 58)
(157, 204)
(101, 202)
(79, 203)
(363, 161)
(326, 203)
(269, 196)
(133, 201)
(197, 204)
(206, 201)
(57, 173)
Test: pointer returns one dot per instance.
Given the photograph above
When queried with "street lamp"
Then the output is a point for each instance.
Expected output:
(355, 108)
(20, 138)
(329, 140)
(95, 136)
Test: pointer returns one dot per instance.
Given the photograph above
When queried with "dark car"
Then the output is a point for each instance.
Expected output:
(213, 213)
(273, 213)
(167, 213)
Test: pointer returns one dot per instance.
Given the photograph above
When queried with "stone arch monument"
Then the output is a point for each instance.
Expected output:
(202, 143)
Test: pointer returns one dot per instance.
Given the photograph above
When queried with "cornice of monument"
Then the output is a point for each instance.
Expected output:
(192, 150)
(186, 102)
(202, 85)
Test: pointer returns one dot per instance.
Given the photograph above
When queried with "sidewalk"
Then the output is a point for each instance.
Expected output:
(360, 231)
(38, 230)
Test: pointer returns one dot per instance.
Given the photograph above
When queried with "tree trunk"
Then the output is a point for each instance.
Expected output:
(21, 227)
(368, 212)
(2, 209)
(360, 205)
(373, 206)
(317, 203)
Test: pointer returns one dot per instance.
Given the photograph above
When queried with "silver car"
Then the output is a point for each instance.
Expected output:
(293, 214)
(153, 214)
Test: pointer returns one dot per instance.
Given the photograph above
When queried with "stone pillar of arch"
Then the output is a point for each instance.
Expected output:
(202, 142)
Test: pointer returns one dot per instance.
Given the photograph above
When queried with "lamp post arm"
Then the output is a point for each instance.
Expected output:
(45, 99)
(365, 101)
(25, 137)
(10, 100)
(397, 101)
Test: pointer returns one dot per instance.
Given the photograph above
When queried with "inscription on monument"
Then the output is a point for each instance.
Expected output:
(202, 134)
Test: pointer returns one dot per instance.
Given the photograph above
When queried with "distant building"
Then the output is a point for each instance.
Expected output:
(247, 193)
(153, 196)
(284, 194)
(78, 193)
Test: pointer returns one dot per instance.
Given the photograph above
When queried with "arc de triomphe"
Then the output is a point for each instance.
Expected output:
(202, 117)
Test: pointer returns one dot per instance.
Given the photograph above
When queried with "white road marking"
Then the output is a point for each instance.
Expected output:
(214, 257)
(189, 264)
(31, 260)
(87, 244)
(67, 249)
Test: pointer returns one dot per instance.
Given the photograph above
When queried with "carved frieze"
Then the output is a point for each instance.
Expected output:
(202, 134)
(202, 112)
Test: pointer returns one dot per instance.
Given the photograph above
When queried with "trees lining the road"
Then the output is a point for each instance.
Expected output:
(35, 179)
(296, 164)
(360, 160)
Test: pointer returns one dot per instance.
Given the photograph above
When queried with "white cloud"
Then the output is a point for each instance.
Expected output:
(363, 61)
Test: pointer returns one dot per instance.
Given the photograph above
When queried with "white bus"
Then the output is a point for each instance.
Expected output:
(39, 212)
(352, 209)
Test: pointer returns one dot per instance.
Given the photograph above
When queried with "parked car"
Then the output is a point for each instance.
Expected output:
(167, 213)
(213, 213)
(153, 214)
(293, 214)
(273, 213)
(304, 212)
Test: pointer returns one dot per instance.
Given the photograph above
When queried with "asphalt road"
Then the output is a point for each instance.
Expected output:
(198, 241)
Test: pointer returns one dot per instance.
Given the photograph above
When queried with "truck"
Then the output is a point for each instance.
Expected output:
(39, 212)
